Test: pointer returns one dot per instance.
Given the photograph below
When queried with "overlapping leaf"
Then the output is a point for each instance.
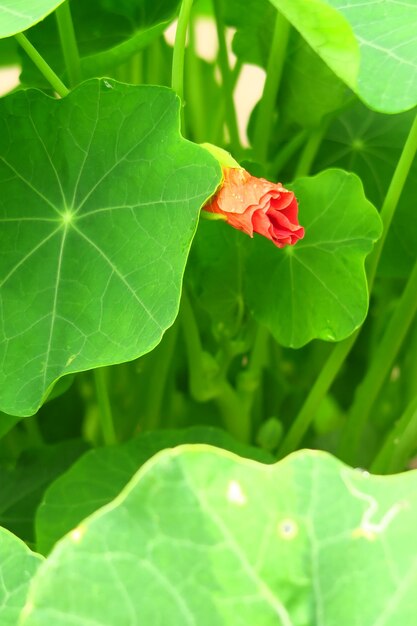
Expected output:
(18, 15)
(100, 199)
(317, 288)
(370, 145)
(219, 541)
(17, 566)
(370, 45)
(97, 478)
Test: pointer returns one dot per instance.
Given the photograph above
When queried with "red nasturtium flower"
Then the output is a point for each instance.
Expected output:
(256, 205)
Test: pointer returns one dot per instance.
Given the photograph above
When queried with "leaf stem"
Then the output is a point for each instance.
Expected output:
(399, 444)
(68, 43)
(287, 152)
(340, 352)
(275, 66)
(380, 366)
(177, 79)
(392, 197)
(310, 151)
(165, 352)
(227, 78)
(42, 65)
(103, 400)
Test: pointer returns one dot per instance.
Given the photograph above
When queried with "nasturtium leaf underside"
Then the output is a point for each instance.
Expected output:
(97, 477)
(18, 15)
(99, 204)
(17, 566)
(220, 540)
(369, 45)
(317, 288)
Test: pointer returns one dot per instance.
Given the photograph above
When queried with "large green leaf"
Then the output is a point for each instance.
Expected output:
(22, 486)
(99, 204)
(370, 144)
(17, 566)
(370, 45)
(200, 536)
(317, 288)
(18, 15)
(97, 477)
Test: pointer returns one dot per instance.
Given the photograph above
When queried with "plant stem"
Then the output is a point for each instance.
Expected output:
(309, 152)
(206, 380)
(287, 152)
(338, 355)
(400, 443)
(68, 43)
(227, 80)
(159, 378)
(195, 89)
(42, 65)
(236, 418)
(177, 79)
(275, 66)
(381, 364)
(103, 400)
(392, 197)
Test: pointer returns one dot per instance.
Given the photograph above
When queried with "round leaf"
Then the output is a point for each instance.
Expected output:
(200, 536)
(317, 289)
(99, 204)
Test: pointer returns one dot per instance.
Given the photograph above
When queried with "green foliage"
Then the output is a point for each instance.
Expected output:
(133, 334)
(14, 19)
(369, 45)
(95, 202)
(325, 269)
(97, 477)
(206, 532)
(22, 487)
(17, 566)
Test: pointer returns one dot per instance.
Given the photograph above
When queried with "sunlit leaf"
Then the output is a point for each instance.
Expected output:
(17, 566)
(100, 200)
(200, 536)
(317, 288)
(97, 477)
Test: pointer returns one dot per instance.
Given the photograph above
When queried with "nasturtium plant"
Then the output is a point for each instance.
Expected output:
(206, 532)
(18, 565)
(107, 170)
(190, 292)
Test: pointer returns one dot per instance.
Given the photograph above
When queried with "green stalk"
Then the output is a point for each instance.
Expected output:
(227, 79)
(195, 89)
(235, 417)
(42, 65)
(155, 395)
(276, 60)
(287, 152)
(392, 197)
(310, 151)
(400, 443)
(381, 364)
(103, 401)
(177, 79)
(336, 359)
(68, 43)
(205, 379)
